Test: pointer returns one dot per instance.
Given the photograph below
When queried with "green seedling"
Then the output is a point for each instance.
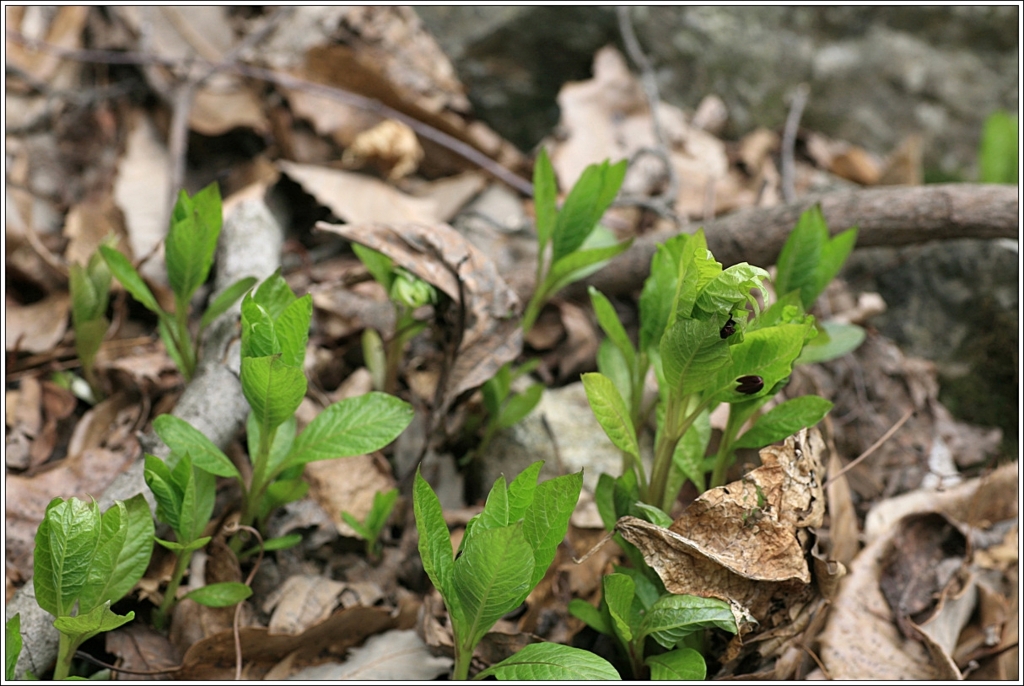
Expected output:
(12, 646)
(633, 609)
(370, 529)
(275, 328)
(998, 160)
(579, 246)
(189, 250)
(505, 552)
(407, 293)
(90, 294)
(185, 496)
(710, 342)
(84, 562)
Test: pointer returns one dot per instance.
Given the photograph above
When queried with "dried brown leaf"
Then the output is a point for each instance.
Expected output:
(743, 542)
(139, 647)
(300, 602)
(348, 484)
(38, 327)
(439, 255)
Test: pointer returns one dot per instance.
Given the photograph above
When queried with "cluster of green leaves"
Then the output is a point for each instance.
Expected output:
(998, 160)
(189, 250)
(710, 342)
(407, 293)
(275, 328)
(84, 561)
(370, 529)
(505, 552)
(185, 495)
(579, 246)
(90, 294)
(634, 609)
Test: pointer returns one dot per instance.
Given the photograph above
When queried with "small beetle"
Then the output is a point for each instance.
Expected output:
(729, 328)
(749, 385)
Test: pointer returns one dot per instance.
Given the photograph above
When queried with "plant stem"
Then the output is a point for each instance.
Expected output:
(171, 594)
(65, 653)
(533, 309)
(463, 656)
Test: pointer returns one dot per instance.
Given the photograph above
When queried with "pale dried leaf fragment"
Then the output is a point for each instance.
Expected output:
(743, 542)
(396, 655)
(36, 328)
(300, 602)
(356, 198)
(390, 144)
(348, 484)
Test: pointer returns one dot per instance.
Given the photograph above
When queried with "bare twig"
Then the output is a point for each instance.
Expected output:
(874, 446)
(341, 95)
(248, 582)
(891, 216)
(796, 110)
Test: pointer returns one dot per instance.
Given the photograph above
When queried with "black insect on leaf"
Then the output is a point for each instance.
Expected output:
(729, 328)
(749, 384)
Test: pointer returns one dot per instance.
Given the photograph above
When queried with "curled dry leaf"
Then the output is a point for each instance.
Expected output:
(300, 602)
(439, 255)
(746, 542)
(396, 655)
(38, 327)
(390, 144)
(139, 647)
(862, 639)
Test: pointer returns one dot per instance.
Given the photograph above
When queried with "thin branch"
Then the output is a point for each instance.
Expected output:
(464, 150)
(874, 446)
(796, 110)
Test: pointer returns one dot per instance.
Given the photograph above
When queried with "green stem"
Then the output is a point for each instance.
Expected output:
(171, 594)
(184, 341)
(533, 309)
(65, 652)
(463, 657)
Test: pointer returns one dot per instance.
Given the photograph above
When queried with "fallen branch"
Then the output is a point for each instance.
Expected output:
(250, 245)
(886, 216)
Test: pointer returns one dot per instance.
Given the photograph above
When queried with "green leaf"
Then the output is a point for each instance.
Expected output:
(284, 438)
(611, 412)
(258, 337)
(357, 526)
(579, 265)
(551, 662)
(613, 365)
(835, 341)
(123, 270)
(496, 389)
(654, 515)
(619, 591)
(682, 664)
(692, 354)
(383, 503)
(123, 554)
(379, 265)
(183, 549)
(586, 203)
(545, 190)
(281, 492)
(798, 260)
(546, 521)
(731, 289)
(435, 543)
(355, 426)
(768, 353)
(192, 240)
(12, 645)
(224, 594)
(518, 406)
(291, 331)
(522, 490)
(495, 512)
(274, 295)
(88, 339)
(833, 255)
(226, 299)
(278, 543)
(65, 542)
(673, 617)
(591, 616)
(274, 390)
(181, 437)
(491, 578)
(161, 484)
(998, 160)
(604, 498)
(608, 318)
(375, 358)
(688, 457)
(785, 420)
(169, 343)
(84, 626)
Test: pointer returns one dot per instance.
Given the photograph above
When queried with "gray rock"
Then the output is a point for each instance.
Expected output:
(877, 74)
